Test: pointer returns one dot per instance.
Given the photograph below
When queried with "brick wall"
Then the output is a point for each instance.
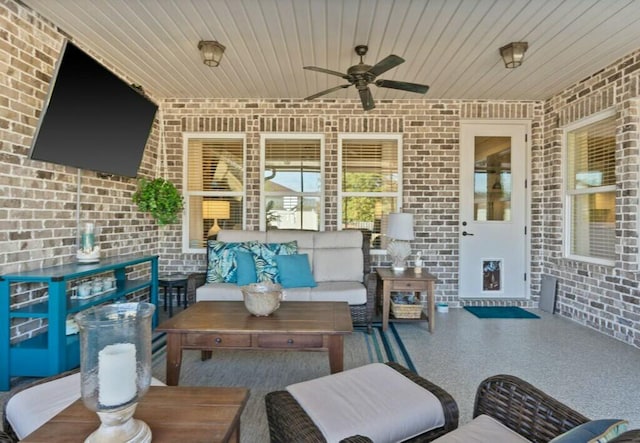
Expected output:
(605, 298)
(38, 200)
(430, 131)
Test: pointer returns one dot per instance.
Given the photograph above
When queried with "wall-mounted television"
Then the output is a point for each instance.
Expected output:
(92, 119)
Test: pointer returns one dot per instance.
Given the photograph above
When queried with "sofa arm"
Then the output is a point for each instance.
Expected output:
(524, 408)
(196, 280)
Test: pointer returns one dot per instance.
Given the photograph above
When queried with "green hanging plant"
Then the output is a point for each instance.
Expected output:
(160, 198)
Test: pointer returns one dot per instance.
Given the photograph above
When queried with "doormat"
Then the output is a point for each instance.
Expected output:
(500, 312)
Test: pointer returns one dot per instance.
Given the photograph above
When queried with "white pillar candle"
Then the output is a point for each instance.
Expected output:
(117, 374)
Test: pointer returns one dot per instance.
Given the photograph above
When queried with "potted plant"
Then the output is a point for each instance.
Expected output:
(160, 198)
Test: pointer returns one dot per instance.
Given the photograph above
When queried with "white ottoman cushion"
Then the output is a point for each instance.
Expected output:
(372, 400)
(482, 429)
(29, 409)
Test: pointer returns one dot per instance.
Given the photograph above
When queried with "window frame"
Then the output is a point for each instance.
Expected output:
(292, 136)
(186, 136)
(569, 194)
(398, 137)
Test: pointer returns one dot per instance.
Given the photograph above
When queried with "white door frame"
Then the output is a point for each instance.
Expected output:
(526, 125)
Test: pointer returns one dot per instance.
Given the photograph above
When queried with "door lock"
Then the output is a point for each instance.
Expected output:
(465, 233)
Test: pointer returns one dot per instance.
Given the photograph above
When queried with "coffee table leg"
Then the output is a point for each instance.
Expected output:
(336, 353)
(174, 358)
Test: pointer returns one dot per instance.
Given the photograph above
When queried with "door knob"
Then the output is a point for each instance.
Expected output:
(465, 233)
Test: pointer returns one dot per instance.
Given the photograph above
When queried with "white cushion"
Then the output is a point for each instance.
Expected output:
(297, 294)
(29, 409)
(232, 235)
(352, 292)
(338, 264)
(482, 429)
(372, 400)
(219, 292)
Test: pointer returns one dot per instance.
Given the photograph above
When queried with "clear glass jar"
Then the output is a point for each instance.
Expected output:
(115, 354)
(88, 246)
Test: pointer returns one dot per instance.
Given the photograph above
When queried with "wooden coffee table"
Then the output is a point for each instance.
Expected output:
(295, 326)
(173, 414)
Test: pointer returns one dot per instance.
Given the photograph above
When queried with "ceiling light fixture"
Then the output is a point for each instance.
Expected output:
(211, 52)
(513, 54)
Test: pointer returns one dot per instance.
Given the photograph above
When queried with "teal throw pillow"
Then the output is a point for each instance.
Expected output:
(222, 266)
(294, 271)
(264, 257)
(594, 431)
(246, 270)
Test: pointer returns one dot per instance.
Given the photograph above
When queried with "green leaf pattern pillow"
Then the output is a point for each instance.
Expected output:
(264, 257)
(222, 266)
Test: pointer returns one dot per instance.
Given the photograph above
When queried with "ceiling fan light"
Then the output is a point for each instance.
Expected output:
(513, 54)
(211, 52)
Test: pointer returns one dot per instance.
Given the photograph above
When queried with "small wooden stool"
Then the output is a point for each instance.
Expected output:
(177, 281)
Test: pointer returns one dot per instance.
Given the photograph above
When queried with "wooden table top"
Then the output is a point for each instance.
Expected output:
(174, 413)
(407, 274)
(292, 317)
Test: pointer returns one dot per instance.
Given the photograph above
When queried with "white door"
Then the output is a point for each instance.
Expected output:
(493, 202)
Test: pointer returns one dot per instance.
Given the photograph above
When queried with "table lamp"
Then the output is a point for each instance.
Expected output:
(216, 210)
(400, 231)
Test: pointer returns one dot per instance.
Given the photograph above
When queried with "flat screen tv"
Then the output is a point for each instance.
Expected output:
(92, 119)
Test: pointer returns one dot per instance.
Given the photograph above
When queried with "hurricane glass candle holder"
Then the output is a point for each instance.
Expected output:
(115, 367)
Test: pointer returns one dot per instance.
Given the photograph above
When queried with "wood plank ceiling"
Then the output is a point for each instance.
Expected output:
(451, 45)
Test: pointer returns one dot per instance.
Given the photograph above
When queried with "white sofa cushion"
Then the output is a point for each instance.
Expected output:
(241, 236)
(338, 264)
(352, 292)
(372, 400)
(219, 292)
(29, 409)
(482, 429)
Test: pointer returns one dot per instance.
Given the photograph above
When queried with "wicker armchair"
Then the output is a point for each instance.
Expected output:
(289, 423)
(530, 412)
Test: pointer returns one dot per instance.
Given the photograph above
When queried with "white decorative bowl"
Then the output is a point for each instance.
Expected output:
(262, 299)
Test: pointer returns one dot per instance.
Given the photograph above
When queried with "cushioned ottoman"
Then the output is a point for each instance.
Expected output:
(384, 402)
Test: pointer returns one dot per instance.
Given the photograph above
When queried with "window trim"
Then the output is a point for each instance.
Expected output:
(567, 195)
(398, 137)
(186, 136)
(292, 136)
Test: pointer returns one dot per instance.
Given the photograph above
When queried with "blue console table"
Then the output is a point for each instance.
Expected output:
(54, 351)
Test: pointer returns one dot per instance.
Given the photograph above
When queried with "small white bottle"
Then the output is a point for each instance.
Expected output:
(418, 263)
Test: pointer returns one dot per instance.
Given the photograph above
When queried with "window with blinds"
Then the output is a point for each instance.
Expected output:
(591, 186)
(370, 185)
(214, 191)
(292, 182)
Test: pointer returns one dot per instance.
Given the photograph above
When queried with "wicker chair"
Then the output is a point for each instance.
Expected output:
(289, 423)
(530, 412)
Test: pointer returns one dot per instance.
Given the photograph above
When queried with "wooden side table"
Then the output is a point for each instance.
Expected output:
(173, 413)
(407, 281)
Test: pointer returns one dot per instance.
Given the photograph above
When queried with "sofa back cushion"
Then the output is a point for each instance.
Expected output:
(231, 235)
(305, 240)
(338, 256)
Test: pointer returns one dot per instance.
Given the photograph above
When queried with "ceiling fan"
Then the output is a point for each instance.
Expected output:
(361, 75)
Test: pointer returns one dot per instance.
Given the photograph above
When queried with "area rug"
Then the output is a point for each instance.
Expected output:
(500, 312)
(266, 371)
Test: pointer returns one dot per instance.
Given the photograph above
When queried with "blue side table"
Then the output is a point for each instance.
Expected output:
(168, 283)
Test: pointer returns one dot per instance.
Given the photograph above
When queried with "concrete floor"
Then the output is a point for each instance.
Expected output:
(592, 373)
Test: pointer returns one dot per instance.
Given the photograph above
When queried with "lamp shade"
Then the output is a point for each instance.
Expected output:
(216, 209)
(400, 226)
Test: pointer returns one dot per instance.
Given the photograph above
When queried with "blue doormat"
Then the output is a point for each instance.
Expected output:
(500, 312)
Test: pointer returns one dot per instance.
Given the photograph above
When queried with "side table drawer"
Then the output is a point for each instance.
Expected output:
(216, 340)
(290, 341)
(408, 286)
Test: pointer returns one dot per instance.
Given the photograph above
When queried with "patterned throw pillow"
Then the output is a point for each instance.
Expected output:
(222, 265)
(264, 257)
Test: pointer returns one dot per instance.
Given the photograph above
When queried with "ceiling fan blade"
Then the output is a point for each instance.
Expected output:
(367, 99)
(327, 71)
(327, 91)
(404, 86)
(385, 64)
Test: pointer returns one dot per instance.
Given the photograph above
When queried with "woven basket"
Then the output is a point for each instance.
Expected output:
(406, 310)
